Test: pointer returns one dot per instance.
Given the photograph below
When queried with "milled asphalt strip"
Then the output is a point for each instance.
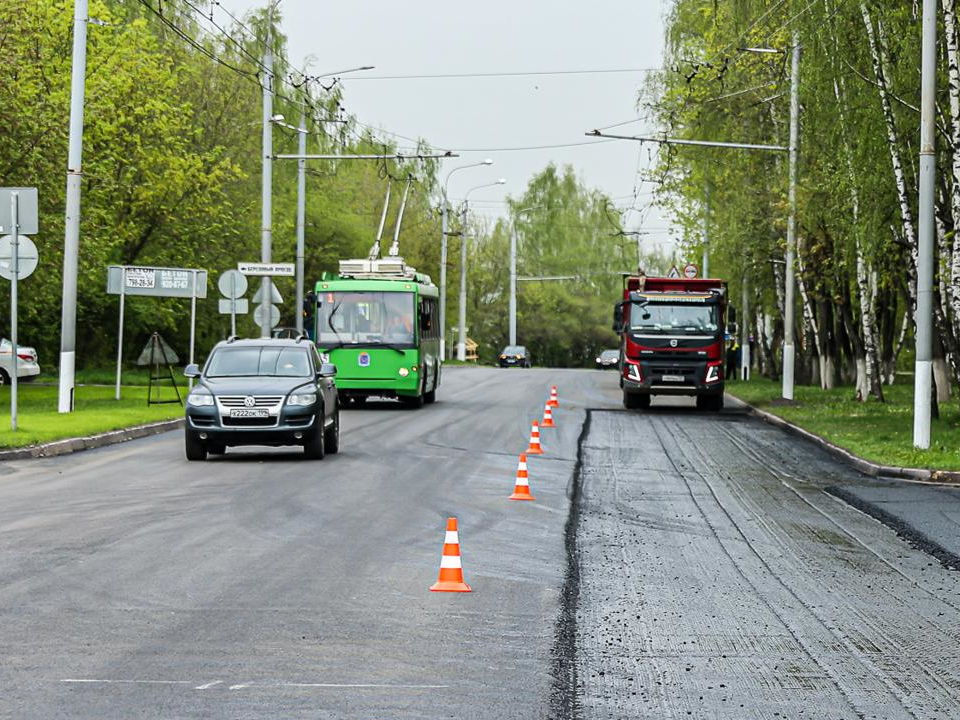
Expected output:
(564, 695)
(71, 445)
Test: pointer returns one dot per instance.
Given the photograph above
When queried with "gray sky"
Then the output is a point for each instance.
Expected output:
(477, 116)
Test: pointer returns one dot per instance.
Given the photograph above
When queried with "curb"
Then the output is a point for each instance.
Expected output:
(71, 445)
(858, 463)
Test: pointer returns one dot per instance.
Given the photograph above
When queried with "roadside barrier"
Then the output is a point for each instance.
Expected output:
(521, 489)
(547, 417)
(451, 569)
(554, 400)
(534, 448)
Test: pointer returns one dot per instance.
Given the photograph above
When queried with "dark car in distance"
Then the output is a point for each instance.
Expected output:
(608, 359)
(515, 356)
(263, 392)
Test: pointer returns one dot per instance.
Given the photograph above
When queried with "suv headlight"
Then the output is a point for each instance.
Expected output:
(302, 399)
(199, 399)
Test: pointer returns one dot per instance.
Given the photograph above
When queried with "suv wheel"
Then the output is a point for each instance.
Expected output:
(194, 447)
(331, 439)
(314, 447)
(4, 377)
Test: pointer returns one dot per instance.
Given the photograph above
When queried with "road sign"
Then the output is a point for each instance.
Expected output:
(28, 257)
(275, 297)
(690, 271)
(232, 284)
(674, 273)
(126, 280)
(236, 306)
(278, 269)
(27, 220)
(274, 315)
(156, 281)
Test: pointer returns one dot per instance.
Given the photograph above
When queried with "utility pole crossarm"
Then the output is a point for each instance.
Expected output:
(394, 156)
(679, 141)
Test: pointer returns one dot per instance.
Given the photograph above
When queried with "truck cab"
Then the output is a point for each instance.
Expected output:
(672, 333)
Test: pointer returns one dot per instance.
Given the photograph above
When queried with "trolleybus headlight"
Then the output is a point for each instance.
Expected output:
(404, 372)
(199, 399)
(713, 373)
(302, 399)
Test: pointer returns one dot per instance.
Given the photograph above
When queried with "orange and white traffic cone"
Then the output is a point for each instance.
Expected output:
(451, 571)
(554, 401)
(534, 448)
(521, 490)
(547, 417)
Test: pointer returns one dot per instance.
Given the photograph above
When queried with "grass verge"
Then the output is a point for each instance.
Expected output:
(95, 411)
(879, 432)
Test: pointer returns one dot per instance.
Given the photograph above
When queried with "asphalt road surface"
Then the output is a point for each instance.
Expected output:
(704, 571)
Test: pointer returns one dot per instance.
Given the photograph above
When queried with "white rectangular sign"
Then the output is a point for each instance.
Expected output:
(279, 269)
(156, 281)
(241, 307)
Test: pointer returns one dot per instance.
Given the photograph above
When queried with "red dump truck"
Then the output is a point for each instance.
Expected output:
(672, 339)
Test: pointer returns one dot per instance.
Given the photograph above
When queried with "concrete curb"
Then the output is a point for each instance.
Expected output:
(858, 463)
(71, 445)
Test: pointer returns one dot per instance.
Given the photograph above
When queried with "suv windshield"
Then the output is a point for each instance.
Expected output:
(673, 319)
(261, 361)
(365, 318)
(514, 350)
(610, 354)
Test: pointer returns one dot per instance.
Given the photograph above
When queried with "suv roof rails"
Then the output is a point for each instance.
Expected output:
(231, 338)
(302, 336)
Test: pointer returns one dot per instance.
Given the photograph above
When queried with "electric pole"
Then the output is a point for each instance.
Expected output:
(71, 240)
(788, 310)
(301, 215)
(266, 222)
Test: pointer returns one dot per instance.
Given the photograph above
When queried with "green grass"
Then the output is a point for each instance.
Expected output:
(107, 376)
(95, 412)
(879, 432)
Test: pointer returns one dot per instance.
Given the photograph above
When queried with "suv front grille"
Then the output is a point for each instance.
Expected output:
(260, 401)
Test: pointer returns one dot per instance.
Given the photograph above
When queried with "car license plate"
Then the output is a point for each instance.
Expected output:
(249, 413)
(673, 378)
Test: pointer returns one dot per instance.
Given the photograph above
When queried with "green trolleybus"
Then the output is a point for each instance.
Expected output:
(378, 320)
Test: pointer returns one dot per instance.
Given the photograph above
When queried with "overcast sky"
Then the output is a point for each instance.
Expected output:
(482, 116)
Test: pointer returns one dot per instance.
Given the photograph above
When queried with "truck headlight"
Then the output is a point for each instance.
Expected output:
(713, 373)
(302, 399)
(200, 399)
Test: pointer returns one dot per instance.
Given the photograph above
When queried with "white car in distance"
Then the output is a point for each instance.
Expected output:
(27, 366)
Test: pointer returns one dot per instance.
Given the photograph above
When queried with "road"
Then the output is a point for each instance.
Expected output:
(705, 571)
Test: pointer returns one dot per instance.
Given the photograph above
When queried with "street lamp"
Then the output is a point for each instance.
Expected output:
(462, 335)
(443, 255)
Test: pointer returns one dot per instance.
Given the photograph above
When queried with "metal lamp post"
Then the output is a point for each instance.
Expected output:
(443, 255)
(513, 273)
(462, 333)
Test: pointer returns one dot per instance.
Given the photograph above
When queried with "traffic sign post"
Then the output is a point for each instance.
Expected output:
(232, 285)
(18, 260)
(126, 280)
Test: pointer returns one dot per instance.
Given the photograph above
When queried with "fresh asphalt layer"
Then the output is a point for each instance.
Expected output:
(706, 571)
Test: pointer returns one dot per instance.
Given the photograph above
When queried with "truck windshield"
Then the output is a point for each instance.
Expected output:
(674, 319)
(365, 319)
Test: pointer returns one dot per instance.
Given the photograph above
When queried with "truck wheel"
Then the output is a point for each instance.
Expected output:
(634, 401)
(193, 447)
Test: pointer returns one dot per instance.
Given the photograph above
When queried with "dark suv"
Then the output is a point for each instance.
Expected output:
(263, 392)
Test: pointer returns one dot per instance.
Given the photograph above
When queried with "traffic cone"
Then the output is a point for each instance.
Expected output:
(534, 448)
(521, 490)
(547, 417)
(554, 401)
(451, 571)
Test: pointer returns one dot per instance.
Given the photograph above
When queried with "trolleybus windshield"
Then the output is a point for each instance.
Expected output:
(365, 319)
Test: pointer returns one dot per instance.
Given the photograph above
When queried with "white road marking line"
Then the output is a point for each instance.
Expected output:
(207, 686)
(101, 681)
(241, 686)
(363, 685)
